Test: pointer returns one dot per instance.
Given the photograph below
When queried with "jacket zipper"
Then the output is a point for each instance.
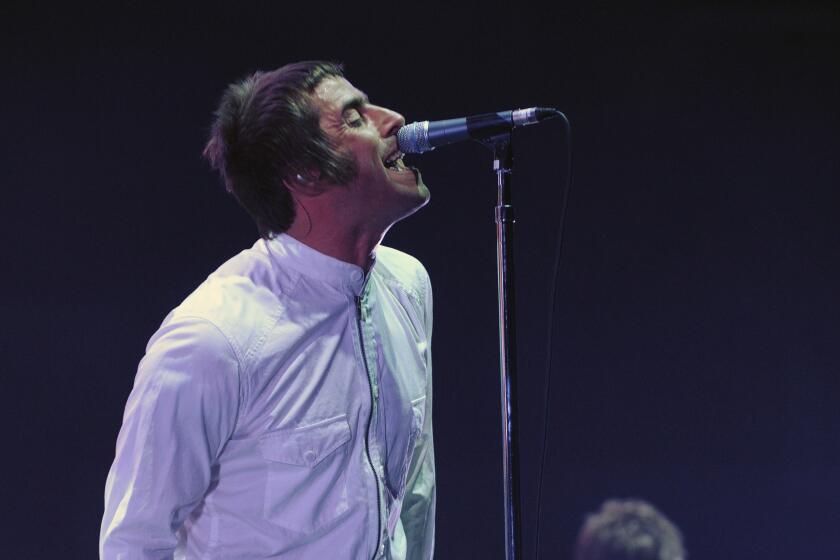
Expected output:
(370, 420)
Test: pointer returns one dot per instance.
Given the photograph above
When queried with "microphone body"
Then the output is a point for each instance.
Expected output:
(419, 137)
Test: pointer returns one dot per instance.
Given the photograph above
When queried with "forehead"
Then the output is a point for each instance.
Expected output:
(334, 93)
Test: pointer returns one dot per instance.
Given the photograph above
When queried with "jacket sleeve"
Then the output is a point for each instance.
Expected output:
(180, 413)
(418, 512)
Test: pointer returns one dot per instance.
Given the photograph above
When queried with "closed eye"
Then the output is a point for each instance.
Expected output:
(353, 112)
(354, 118)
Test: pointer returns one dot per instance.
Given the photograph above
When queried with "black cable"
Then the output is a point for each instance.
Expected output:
(555, 276)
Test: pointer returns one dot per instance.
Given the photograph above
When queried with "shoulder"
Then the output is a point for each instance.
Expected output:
(190, 344)
(403, 269)
(242, 285)
(240, 300)
(406, 277)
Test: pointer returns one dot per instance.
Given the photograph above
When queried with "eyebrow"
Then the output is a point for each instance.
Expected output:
(355, 103)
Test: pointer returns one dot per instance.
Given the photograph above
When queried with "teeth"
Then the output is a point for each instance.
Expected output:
(394, 158)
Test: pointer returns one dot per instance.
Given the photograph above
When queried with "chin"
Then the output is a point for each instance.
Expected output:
(424, 193)
(419, 200)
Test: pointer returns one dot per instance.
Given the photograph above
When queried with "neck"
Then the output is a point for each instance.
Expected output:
(353, 244)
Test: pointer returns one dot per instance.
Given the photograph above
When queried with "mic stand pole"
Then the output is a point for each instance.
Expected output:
(503, 166)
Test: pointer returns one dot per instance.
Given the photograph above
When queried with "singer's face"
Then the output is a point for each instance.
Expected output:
(384, 189)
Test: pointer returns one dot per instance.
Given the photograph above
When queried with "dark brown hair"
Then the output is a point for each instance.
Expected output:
(629, 530)
(266, 131)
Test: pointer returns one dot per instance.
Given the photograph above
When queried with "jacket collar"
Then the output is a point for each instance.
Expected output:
(288, 252)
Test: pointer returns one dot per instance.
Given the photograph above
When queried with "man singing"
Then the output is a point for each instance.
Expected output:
(284, 409)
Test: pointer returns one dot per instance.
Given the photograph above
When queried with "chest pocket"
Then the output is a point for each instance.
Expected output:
(306, 474)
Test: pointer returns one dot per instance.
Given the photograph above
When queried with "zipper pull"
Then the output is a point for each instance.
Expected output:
(358, 307)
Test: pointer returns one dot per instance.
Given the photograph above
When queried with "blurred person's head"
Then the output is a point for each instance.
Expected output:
(628, 530)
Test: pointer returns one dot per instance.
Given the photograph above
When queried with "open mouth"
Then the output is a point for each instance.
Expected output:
(394, 162)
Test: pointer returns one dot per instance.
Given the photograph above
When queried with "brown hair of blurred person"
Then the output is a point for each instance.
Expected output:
(629, 530)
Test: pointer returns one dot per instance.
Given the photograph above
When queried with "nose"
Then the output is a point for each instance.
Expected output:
(388, 122)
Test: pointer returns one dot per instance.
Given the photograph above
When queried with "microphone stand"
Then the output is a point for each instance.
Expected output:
(503, 166)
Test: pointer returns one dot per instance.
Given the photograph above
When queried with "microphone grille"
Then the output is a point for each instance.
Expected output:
(414, 138)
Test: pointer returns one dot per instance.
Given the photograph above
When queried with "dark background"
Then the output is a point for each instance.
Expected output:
(695, 346)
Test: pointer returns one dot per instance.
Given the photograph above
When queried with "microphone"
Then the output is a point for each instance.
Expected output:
(419, 137)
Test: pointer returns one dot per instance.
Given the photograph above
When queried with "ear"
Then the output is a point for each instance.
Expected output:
(305, 184)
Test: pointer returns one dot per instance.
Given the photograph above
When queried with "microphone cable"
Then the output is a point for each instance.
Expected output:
(551, 322)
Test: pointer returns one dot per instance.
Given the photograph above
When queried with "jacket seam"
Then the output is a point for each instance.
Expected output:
(240, 370)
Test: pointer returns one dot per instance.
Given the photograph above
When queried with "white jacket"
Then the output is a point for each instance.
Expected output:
(283, 410)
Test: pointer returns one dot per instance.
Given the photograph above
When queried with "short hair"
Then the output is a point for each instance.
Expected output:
(266, 132)
(629, 529)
